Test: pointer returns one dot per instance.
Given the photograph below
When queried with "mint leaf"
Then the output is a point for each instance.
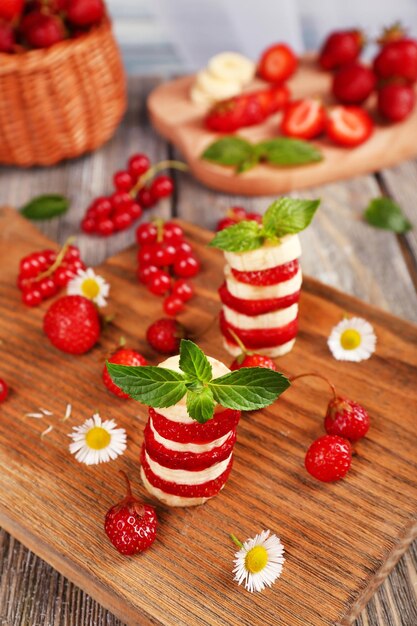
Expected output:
(45, 207)
(387, 214)
(200, 404)
(288, 216)
(194, 362)
(229, 151)
(248, 388)
(242, 237)
(154, 386)
(287, 152)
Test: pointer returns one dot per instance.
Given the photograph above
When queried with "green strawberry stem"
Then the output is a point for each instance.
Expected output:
(51, 269)
(316, 375)
(236, 540)
(150, 173)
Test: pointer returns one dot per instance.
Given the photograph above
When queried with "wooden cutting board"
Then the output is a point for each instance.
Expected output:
(341, 539)
(180, 121)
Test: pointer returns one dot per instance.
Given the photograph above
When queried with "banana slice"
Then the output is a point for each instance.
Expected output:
(217, 88)
(232, 66)
(198, 96)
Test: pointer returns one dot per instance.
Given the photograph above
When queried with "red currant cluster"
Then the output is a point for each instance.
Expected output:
(235, 215)
(132, 194)
(42, 274)
(164, 254)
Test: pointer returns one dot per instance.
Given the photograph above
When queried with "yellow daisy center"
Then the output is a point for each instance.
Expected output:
(350, 339)
(256, 559)
(97, 438)
(90, 288)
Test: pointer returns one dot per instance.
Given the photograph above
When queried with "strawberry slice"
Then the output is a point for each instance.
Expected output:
(256, 307)
(222, 423)
(304, 119)
(255, 339)
(277, 63)
(349, 126)
(247, 109)
(271, 276)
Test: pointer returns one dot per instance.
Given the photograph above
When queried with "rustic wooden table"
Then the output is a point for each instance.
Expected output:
(338, 249)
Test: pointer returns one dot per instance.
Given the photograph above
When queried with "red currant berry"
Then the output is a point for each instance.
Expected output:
(184, 248)
(122, 221)
(101, 207)
(29, 267)
(62, 276)
(47, 288)
(159, 283)
(4, 390)
(138, 165)
(50, 255)
(105, 227)
(163, 254)
(146, 233)
(145, 255)
(24, 283)
(145, 198)
(183, 290)
(33, 297)
(135, 211)
(42, 260)
(162, 187)
(72, 253)
(121, 200)
(145, 272)
(173, 305)
(123, 181)
(187, 266)
(173, 233)
(88, 225)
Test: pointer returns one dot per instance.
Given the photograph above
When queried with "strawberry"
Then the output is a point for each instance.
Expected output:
(122, 356)
(346, 418)
(397, 59)
(329, 458)
(255, 338)
(235, 215)
(396, 101)
(252, 359)
(165, 335)
(340, 47)
(10, 9)
(222, 423)
(271, 276)
(349, 126)
(85, 12)
(247, 109)
(277, 63)
(7, 38)
(256, 307)
(4, 390)
(72, 324)
(130, 525)
(304, 119)
(41, 30)
(353, 83)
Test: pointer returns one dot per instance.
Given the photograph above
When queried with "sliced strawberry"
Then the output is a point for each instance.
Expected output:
(277, 63)
(256, 307)
(186, 460)
(271, 276)
(247, 109)
(304, 119)
(222, 423)
(349, 126)
(205, 490)
(255, 339)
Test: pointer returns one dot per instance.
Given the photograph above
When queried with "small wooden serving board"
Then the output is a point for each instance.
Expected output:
(341, 539)
(181, 121)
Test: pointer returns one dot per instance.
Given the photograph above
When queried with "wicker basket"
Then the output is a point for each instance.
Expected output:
(61, 102)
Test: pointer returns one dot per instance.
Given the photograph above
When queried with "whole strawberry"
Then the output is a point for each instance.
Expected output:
(10, 9)
(396, 101)
(85, 12)
(131, 525)
(251, 359)
(122, 356)
(353, 83)
(346, 418)
(41, 30)
(165, 335)
(397, 59)
(329, 458)
(72, 324)
(341, 47)
(7, 38)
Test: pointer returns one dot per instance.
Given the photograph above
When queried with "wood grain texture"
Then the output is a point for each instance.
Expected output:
(328, 575)
(180, 121)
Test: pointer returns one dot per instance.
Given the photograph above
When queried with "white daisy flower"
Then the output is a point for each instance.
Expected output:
(90, 285)
(352, 339)
(259, 561)
(96, 441)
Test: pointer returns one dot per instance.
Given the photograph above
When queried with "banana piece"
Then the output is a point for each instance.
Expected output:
(232, 66)
(217, 88)
(198, 96)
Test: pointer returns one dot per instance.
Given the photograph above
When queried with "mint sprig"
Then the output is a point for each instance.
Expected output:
(387, 214)
(245, 389)
(234, 151)
(286, 216)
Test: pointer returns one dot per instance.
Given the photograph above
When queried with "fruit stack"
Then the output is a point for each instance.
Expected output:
(184, 462)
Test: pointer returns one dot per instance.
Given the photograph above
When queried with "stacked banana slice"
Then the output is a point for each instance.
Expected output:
(224, 77)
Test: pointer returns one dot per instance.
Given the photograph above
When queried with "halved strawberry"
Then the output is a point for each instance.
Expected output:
(304, 119)
(277, 63)
(349, 126)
